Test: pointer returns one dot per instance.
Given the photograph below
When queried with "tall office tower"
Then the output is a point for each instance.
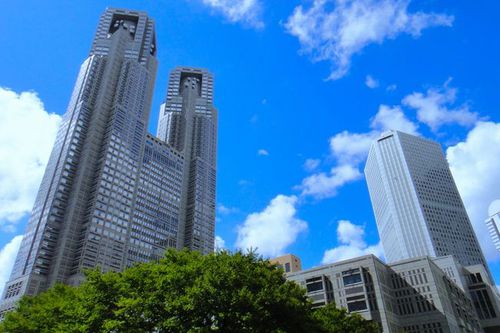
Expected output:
(111, 194)
(417, 206)
(188, 122)
(493, 223)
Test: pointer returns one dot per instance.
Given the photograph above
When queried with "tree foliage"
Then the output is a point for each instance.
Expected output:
(183, 292)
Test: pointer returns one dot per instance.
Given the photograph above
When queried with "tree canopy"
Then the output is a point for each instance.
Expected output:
(183, 292)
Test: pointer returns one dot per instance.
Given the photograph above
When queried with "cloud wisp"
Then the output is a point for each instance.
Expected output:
(371, 82)
(335, 30)
(247, 12)
(263, 152)
(435, 108)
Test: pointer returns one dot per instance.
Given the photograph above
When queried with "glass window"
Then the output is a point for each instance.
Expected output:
(351, 279)
(356, 306)
(315, 286)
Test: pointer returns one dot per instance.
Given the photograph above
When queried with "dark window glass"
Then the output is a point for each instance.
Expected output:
(287, 267)
(351, 279)
(356, 306)
(315, 286)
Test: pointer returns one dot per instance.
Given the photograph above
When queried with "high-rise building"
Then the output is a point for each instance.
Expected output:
(493, 223)
(113, 194)
(188, 122)
(417, 206)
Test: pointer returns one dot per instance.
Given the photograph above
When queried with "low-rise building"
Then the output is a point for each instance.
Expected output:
(289, 262)
(421, 294)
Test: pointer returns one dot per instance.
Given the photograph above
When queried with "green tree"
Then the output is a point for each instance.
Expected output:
(333, 320)
(183, 292)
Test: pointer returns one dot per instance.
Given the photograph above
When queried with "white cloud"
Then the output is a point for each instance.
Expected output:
(335, 30)
(224, 210)
(247, 12)
(311, 164)
(388, 118)
(371, 83)
(27, 134)
(350, 150)
(322, 185)
(220, 244)
(273, 229)
(474, 165)
(7, 257)
(262, 152)
(353, 148)
(352, 244)
(434, 108)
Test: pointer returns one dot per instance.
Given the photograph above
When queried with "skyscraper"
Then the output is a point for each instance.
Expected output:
(417, 206)
(493, 223)
(188, 122)
(113, 194)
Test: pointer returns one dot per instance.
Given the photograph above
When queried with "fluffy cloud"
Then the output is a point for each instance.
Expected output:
(273, 229)
(311, 164)
(350, 150)
(220, 244)
(334, 30)
(322, 185)
(474, 165)
(434, 108)
(371, 83)
(392, 118)
(352, 244)
(27, 134)
(262, 152)
(7, 257)
(247, 12)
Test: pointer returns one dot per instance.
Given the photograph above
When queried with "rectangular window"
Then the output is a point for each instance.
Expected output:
(287, 267)
(351, 279)
(316, 286)
(356, 306)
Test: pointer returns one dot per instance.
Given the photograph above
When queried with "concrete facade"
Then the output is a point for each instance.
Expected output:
(493, 224)
(289, 263)
(412, 295)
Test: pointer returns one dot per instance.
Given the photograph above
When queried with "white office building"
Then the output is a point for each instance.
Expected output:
(417, 206)
(493, 223)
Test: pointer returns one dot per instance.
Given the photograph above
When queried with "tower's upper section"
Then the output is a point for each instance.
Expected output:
(201, 78)
(141, 29)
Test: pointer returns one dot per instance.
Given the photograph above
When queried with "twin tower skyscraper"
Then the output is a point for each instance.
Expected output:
(113, 194)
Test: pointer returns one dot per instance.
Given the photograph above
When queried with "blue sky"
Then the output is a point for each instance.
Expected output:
(302, 87)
